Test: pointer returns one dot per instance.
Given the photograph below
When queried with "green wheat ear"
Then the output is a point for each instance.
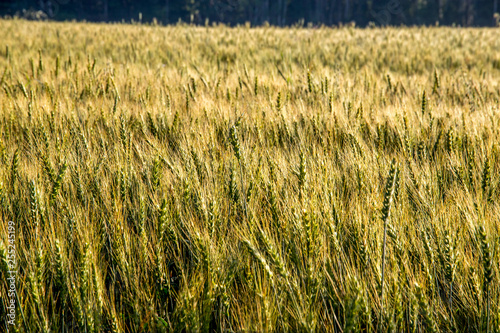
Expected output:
(60, 272)
(58, 182)
(301, 174)
(389, 83)
(40, 62)
(330, 102)
(424, 103)
(235, 142)
(34, 203)
(310, 87)
(425, 310)
(58, 66)
(488, 270)
(487, 255)
(156, 173)
(14, 167)
(486, 180)
(279, 103)
(436, 85)
(450, 255)
(389, 194)
(257, 255)
(276, 259)
(390, 189)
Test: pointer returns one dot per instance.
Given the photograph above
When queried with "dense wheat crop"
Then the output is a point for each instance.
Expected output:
(250, 179)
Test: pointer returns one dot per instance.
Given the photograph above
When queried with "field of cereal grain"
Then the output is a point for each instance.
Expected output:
(265, 179)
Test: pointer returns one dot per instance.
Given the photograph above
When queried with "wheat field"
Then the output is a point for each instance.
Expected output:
(216, 179)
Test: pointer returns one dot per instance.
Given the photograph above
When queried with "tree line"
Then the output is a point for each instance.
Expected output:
(259, 12)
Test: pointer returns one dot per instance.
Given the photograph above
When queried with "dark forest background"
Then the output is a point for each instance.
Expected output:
(257, 12)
